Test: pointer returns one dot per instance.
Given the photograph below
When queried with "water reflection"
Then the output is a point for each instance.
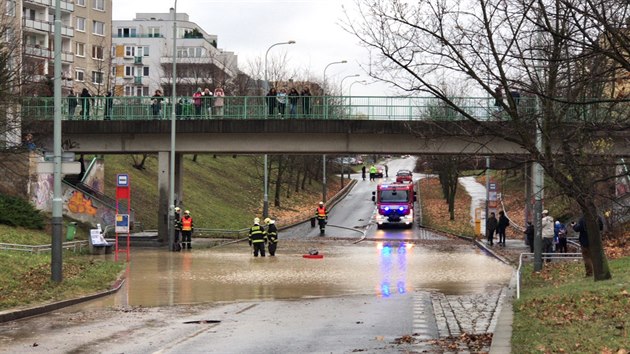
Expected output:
(157, 278)
(393, 267)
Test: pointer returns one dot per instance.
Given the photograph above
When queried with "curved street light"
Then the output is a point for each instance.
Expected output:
(326, 117)
(342, 80)
(265, 89)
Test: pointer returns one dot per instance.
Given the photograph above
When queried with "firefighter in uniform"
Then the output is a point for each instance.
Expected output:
(178, 229)
(187, 230)
(272, 236)
(257, 238)
(321, 213)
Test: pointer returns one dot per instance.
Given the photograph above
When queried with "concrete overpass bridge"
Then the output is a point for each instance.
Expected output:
(337, 127)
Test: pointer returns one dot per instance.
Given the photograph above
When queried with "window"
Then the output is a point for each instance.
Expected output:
(130, 51)
(129, 71)
(154, 31)
(79, 75)
(80, 24)
(113, 71)
(80, 2)
(136, 91)
(11, 8)
(97, 77)
(98, 28)
(80, 49)
(145, 71)
(97, 52)
(143, 51)
(99, 5)
(126, 32)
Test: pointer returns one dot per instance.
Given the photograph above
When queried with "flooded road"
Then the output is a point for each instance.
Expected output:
(230, 273)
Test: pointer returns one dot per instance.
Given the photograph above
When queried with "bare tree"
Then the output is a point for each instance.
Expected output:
(561, 57)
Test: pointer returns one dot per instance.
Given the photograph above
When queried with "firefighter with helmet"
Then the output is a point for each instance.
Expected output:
(272, 236)
(257, 238)
(187, 230)
(178, 229)
(321, 213)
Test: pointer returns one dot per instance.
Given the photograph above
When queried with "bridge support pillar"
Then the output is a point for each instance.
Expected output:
(163, 189)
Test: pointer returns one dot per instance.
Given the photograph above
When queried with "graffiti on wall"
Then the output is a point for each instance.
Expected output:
(42, 192)
(81, 204)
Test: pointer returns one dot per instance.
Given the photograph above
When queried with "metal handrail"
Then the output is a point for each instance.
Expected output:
(565, 256)
(41, 248)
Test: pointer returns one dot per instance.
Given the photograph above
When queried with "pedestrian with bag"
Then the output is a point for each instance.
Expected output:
(257, 238)
(272, 236)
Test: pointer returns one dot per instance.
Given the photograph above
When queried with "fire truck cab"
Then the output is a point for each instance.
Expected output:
(394, 204)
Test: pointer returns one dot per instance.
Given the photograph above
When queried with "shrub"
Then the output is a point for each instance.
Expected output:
(19, 212)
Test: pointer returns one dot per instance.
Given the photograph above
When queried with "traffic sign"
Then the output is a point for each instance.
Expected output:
(122, 180)
(122, 223)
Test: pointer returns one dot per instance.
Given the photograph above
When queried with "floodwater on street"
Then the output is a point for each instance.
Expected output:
(230, 273)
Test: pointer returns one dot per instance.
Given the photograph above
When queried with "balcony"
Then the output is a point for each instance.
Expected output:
(137, 80)
(115, 35)
(67, 57)
(137, 60)
(37, 25)
(36, 51)
(67, 5)
(65, 30)
(42, 3)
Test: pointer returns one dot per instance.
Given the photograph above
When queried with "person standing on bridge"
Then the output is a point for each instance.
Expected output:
(156, 104)
(219, 101)
(281, 97)
(197, 100)
(187, 230)
(72, 104)
(85, 103)
(271, 102)
(306, 101)
(272, 236)
(257, 238)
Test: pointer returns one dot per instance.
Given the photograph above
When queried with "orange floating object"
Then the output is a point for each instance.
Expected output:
(315, 256)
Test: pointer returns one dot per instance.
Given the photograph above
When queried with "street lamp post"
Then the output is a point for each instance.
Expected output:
(171, 194)
(350, 92)
(343, 99)
(56, 250)
(266, 172)
(326, 117)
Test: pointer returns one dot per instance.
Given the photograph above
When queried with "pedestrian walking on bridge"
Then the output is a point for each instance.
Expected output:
(272, 236)
(257, 238)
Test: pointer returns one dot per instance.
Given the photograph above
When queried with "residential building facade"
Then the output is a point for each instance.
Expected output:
(143, 56)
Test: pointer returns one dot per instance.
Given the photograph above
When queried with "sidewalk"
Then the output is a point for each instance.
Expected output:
(502, 334)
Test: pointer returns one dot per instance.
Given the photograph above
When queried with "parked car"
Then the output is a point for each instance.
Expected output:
(403, 176)
(380, 171)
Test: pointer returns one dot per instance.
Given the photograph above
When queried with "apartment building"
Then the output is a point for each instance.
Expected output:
(143, 56)
(85, 43)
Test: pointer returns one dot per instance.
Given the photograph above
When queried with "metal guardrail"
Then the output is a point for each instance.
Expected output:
(37, 249)
(318, 107)
(563, 256)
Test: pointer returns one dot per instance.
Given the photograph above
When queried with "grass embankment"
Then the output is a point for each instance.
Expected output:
(560, 311)
(435, 209)
(25, 277)
(221, 192)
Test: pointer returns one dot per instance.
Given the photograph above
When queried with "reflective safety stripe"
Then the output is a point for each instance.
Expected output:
(187, 224)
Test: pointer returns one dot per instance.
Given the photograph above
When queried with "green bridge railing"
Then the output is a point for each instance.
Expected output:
(261, 107)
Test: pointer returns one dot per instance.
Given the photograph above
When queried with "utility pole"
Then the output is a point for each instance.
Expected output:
(57, 212)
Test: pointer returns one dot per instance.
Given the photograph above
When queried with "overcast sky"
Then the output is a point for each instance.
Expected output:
(249, 27)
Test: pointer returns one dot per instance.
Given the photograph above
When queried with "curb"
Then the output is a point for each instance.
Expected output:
(12, 315)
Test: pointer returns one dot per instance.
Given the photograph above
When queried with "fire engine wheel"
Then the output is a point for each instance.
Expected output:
(379, 226)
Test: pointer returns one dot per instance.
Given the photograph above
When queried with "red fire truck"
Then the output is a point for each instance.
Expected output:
(394, 204)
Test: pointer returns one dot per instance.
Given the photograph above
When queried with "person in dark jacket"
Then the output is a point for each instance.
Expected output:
(580, 227)
(271, 101)
(72, 104)
(257, 238)
(177, 246)
(529, 236)
(109, 105)
(272, 236)
(491, 226)
(363, 170)
(294, 96)
(502, 225)
(306, 101)
(85, 103)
